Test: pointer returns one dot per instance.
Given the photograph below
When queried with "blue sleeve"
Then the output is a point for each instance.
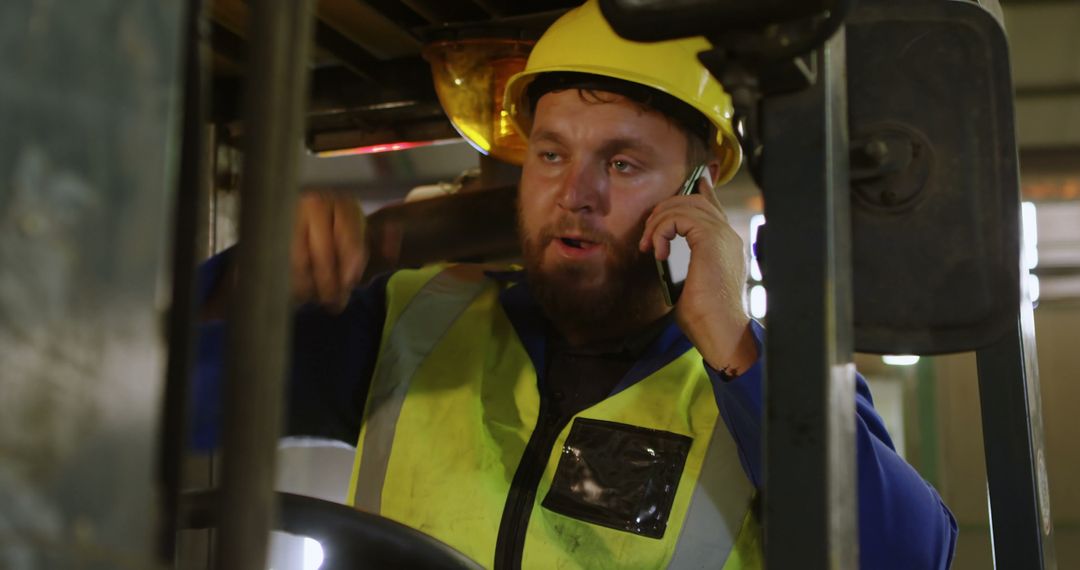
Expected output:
(333, 357)
(903, 522)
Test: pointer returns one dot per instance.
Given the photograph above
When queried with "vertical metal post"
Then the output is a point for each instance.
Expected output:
(809, 491)
(1013, 441)
(188, 217)
(194, 548)
(276, 94)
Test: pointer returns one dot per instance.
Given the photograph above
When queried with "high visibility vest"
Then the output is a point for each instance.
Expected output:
(647, 478)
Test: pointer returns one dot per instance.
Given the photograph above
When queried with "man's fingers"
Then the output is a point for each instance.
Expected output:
(654, 232)
(661, 246)
(661, 229)
(303, 287)
(660, 211)
(300, 262)
(687, 220)
(329, 253)
(709, 206)
(668, 227)
(324, 259)
(349, 239)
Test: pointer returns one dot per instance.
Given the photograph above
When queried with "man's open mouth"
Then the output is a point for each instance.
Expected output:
(577, 243)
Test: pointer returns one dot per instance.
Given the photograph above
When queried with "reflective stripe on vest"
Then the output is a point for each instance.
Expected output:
(453, 402)
(412, 337)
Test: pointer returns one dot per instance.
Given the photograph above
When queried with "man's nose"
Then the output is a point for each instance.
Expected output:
(584, 189)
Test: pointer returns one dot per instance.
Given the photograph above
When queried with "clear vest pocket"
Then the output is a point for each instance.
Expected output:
(618, 476)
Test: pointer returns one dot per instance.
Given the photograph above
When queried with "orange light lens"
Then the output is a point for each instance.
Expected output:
(469, 79)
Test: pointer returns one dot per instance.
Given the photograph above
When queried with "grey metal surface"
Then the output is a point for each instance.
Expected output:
(189, 240)
(276, 95)
(88, 94)
(809, 499)
(1011, 407)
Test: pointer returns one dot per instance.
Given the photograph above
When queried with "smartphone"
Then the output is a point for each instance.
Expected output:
(674, 269)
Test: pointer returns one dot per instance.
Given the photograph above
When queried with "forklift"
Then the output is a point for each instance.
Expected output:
(877, 130)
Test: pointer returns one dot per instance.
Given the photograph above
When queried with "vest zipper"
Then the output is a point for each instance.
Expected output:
(510, 544)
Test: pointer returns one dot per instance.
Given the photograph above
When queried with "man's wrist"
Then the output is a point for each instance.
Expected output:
(734, 361)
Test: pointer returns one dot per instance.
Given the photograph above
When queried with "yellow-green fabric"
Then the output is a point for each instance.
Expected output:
(443, 458)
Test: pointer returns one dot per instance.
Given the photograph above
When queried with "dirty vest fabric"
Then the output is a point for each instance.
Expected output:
(647, 478)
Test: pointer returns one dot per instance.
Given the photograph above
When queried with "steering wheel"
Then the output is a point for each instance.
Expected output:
(349, 538)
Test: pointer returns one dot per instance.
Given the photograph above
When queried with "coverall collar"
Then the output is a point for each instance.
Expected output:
(534, 329)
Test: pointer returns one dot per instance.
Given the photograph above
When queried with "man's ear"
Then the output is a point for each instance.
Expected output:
(714, 170)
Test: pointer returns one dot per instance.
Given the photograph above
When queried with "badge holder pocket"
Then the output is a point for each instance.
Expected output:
(618, 476)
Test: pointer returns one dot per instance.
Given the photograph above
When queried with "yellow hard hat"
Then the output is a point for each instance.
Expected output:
(582, 41)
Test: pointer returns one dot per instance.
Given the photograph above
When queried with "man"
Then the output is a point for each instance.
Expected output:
(565, 415)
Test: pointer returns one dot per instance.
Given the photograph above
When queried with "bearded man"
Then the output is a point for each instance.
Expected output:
(565, 415)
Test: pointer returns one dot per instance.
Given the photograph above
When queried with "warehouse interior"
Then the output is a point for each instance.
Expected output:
(931, 404)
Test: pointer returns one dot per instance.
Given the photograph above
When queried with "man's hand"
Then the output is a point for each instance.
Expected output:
(710, 309)
(329, 251)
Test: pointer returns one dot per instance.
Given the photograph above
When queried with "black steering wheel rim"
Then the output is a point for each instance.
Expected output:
(350, 538)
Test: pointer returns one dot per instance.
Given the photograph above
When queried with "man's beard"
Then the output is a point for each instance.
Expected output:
(595, 301)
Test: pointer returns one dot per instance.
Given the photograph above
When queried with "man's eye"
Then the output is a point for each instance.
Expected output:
(548, 156)
(621, 165)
